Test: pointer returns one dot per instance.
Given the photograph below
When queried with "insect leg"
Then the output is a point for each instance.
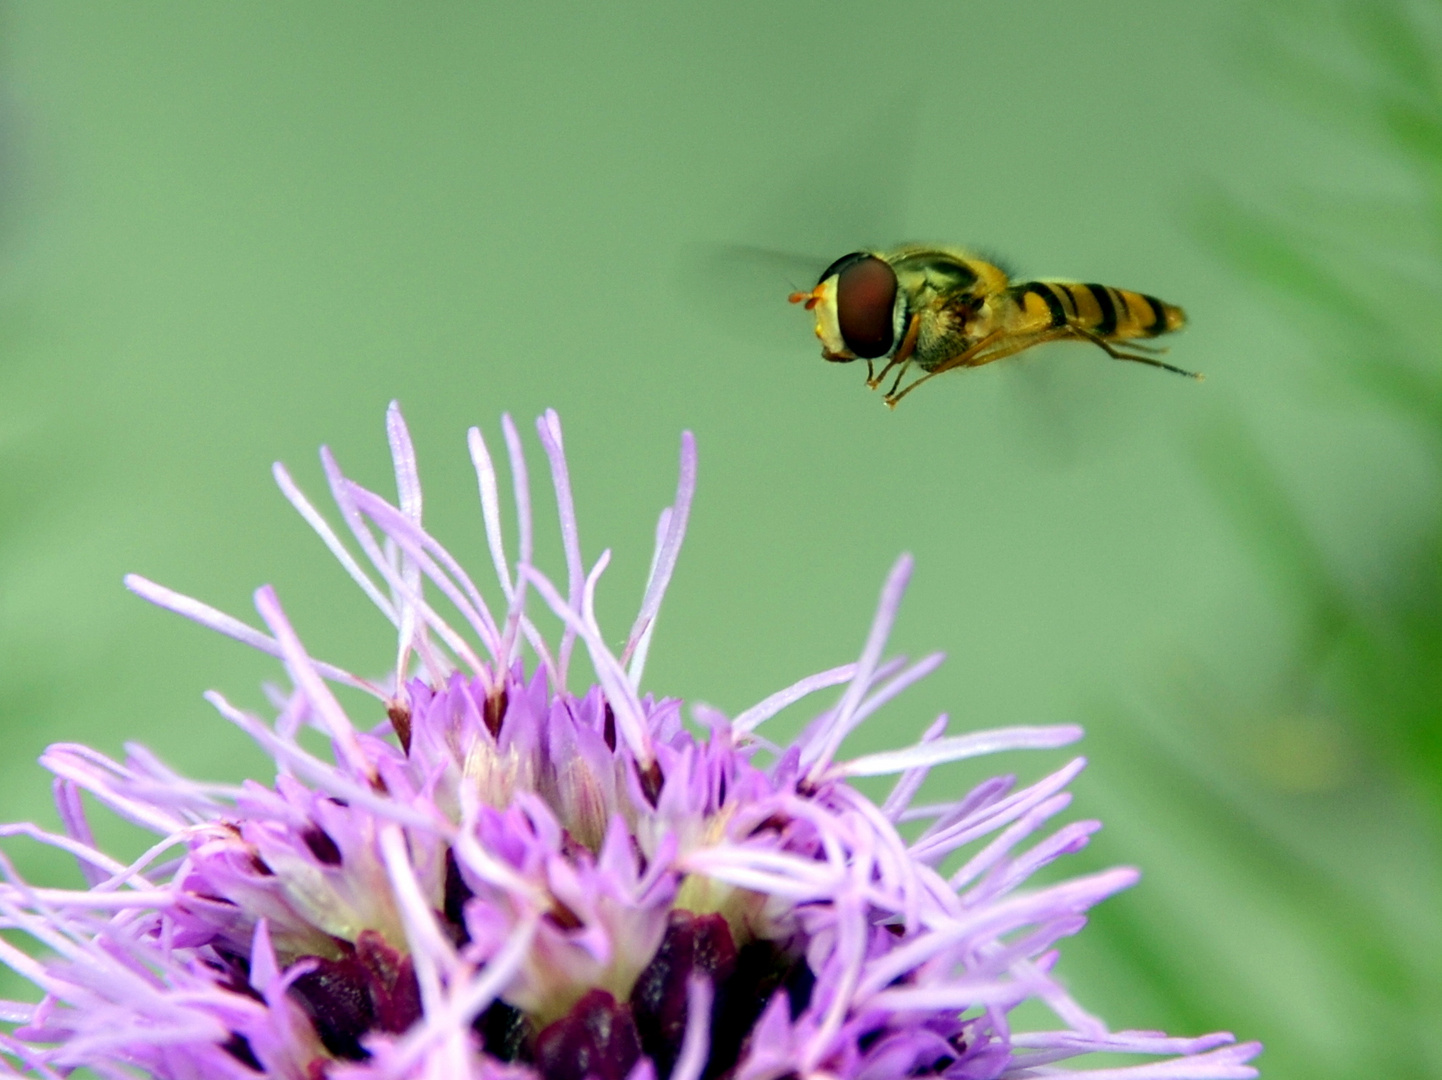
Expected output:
(1150, 350)
(990, 348)
(902, 355)
(892, 398)
(1116, 354)
(892, 392)
(966, 358)
(874, 381)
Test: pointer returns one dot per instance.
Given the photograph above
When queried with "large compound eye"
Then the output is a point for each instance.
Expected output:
(865, 299)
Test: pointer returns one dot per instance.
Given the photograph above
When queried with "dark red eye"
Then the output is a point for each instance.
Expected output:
(865, 299)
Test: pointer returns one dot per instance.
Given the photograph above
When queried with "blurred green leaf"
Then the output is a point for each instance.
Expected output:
(1259, 502)
(1415, 129)
(1260, 247)
(1395, 42)
(1338, 921)
(1361, 271)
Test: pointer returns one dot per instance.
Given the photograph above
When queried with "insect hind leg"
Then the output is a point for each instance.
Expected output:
(1150, 350)
(1135, 357)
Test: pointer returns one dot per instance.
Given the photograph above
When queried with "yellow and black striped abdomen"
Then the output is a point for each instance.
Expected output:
(1111, 314)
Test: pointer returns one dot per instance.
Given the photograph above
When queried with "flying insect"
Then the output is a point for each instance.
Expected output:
(942, 308)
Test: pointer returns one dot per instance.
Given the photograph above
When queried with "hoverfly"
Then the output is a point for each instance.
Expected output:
(941, 308)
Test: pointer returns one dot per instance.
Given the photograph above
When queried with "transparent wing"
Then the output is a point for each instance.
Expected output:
(844, 191)
(741, 290)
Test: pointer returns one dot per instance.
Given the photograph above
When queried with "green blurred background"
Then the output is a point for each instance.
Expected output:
(229, 233)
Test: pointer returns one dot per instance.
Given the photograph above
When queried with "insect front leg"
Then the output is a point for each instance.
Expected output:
(873, 381)
(902, 355)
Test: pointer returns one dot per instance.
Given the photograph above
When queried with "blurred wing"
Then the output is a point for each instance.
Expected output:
(741, 291)
(849, 193)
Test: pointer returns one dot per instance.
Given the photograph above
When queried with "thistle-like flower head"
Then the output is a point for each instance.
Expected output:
(493, 875)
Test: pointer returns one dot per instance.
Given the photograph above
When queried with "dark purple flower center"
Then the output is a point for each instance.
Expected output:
(336, 996)
(694, 944)
(604, 1038)
(597, 1038)
(373, 988)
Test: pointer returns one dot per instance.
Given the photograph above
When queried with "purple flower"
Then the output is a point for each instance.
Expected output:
(497, 876)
